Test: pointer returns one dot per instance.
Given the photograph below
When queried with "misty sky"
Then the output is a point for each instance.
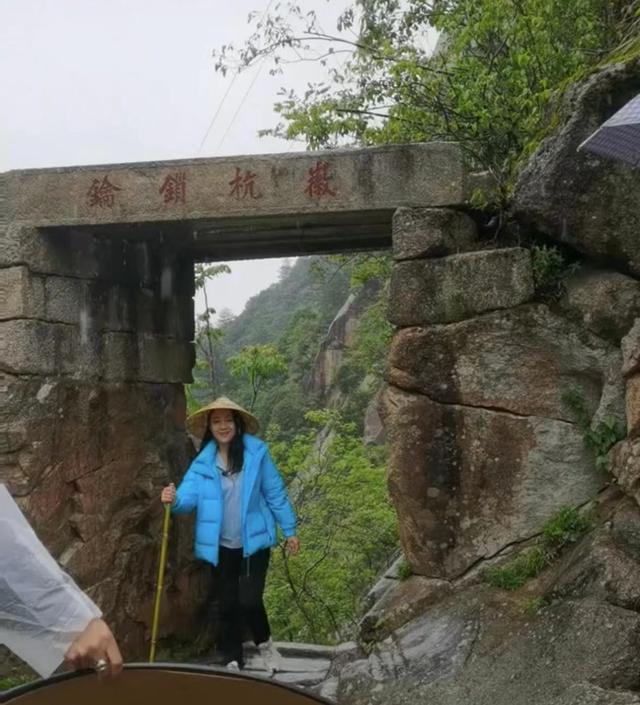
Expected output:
(109, 81)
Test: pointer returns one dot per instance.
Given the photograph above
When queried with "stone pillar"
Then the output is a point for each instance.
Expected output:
(482, 447)
(95, 345)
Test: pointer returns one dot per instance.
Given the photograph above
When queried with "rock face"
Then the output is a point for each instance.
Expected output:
(338, 339)
(605, 302)
(586, 201)
(94, 348)
(485, 448)
(431, 232)
(478, 644)
(521, 361)
(476, 648)
(631, 371)
(468, 481)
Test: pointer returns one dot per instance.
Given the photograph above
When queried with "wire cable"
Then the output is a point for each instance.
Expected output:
(226, 94)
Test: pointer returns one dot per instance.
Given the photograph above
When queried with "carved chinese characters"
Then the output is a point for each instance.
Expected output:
(243, 184)
(102, 193)
(319, 181)
(174, 188)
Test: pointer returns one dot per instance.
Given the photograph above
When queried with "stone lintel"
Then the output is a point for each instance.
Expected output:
(288, 185)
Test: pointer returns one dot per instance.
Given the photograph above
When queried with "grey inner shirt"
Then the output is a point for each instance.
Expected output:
(231, 530)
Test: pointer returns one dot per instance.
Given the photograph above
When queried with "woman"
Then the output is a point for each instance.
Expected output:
(239, 497)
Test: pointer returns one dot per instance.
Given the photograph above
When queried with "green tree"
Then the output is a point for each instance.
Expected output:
(347, 529)
(256, 364)
(207, 337)
(488, 87)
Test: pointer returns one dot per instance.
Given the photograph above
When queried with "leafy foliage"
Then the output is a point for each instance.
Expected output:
(404, 571)
(516, 573)
(598, 437)
(488, 87)
(256, 364)
(347, 525)
(347, 530)
(550, 269)
(565, 527)
(534, 605)
(207, 337)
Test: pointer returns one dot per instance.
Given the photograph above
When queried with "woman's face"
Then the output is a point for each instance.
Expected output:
(222, 426)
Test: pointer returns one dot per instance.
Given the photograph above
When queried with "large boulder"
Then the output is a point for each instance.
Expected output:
(605, 302)
(586, 201)
(468, 481)
(605, 564)
(521, 361)
(625, 466)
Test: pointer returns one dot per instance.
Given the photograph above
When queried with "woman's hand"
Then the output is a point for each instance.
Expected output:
(96, 648)
(168, 495)
(292, 545)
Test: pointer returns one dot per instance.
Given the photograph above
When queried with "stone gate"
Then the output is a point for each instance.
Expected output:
(96, 311)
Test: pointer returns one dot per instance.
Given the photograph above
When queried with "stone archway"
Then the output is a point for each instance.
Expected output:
(96, 326)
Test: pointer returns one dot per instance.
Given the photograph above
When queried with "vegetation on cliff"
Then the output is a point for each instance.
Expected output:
(265, 358)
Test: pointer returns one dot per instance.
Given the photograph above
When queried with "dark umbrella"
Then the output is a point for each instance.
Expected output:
(619, 136)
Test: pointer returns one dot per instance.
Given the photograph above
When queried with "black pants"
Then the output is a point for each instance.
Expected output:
(240, 589)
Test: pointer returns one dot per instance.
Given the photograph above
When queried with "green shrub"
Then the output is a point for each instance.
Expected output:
(599, 437)
(404, 571)
(516, 573)
(8, 682)
(534, 605)
(550, 269)
(565, 527)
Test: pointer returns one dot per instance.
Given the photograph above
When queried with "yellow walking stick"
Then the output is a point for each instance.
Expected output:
(160, 584)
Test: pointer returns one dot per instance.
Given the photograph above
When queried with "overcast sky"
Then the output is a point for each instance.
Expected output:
(109, 81)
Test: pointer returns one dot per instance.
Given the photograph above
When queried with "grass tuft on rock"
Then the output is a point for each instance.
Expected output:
(565, 527)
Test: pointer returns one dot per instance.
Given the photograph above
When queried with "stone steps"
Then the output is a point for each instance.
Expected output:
(303, 665)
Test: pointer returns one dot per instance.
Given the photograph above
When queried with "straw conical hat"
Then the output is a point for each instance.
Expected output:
(197, 422)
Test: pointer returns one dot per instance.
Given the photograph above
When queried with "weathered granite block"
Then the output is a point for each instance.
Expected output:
(67, 300)
(606, 302)
(459, 286)
(431, 232)
(21, 294)
(165, 360)
(31, 346)
(69, 253)
(521, 360)
(146, 358)
(467, 482)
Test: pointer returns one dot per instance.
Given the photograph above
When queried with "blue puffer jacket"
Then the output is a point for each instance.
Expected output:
(264, 500)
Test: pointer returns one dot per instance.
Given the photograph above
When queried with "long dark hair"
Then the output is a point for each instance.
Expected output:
(236, 447)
